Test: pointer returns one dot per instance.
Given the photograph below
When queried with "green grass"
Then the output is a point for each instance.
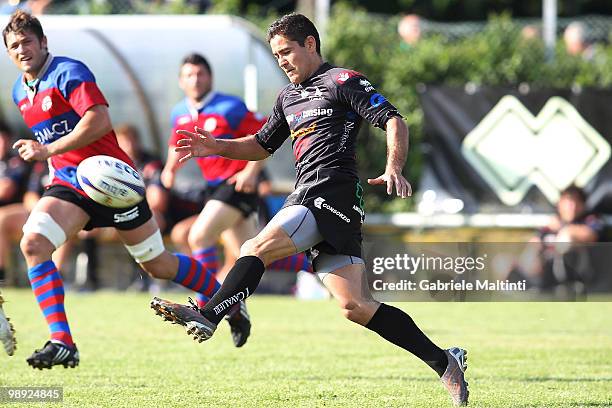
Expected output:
(303, 354)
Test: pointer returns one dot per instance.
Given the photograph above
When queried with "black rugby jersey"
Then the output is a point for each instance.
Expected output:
(322, 115)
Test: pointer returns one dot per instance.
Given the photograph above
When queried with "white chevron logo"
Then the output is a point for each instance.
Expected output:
(513, 150)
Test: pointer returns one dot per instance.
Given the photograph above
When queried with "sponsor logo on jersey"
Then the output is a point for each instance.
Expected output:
(46, 103)
(348, 127)
(126, 216)
(360, 211)
(367, 86)
(320, 203)
(183, 120)
(303, 132)
(210, 124)
(377, 99)
(345, 76)
(308, 113)
(312, 95)
(53, 132)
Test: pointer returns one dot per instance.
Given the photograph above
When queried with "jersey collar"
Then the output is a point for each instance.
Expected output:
(32, 88)
(194, 110)
(325, 66)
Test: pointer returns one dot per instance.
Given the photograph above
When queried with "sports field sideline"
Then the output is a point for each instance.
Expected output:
(303, 354)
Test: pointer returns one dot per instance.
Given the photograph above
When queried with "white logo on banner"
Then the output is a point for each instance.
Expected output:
(514, 150)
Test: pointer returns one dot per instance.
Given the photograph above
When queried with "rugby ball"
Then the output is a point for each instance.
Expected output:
(110, 181)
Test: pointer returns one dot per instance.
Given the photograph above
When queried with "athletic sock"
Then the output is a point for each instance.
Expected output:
(48, 289)
(209, 260)
(240, 283)
(397, 327)
(293, 263)
(192, 275)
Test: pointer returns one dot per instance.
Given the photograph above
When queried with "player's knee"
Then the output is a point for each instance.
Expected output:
(178, 236)
(35, 245)
(195, 239)
(351, 310)
(161, 267)
(251, 247)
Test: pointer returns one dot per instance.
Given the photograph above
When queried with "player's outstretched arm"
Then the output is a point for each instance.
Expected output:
(201, 144)
(94, 124)
(397, 151)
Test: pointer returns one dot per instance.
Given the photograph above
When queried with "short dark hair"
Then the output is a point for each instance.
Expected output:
(575, 191)
(294, 27)
(196, 59)
(22, 22)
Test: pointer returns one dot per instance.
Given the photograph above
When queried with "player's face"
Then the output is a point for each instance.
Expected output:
(298, 62)
(27, 52)
(195, 81)
(570, 207)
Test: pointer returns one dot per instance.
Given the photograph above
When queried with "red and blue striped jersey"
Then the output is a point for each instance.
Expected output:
(225, 117)
(52, 107)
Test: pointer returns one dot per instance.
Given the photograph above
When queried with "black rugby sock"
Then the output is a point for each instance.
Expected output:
(240, 283)
(397, 327)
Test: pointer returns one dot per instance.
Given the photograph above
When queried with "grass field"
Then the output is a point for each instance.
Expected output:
(303, 354)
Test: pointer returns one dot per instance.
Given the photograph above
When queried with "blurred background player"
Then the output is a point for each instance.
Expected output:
(232, 185)
(62, 105)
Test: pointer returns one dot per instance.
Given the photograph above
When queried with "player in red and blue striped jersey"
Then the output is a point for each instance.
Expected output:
(61, 103)
(232, 184)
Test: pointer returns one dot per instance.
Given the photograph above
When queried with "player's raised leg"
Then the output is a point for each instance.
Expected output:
(221, 219)
(215, 218)
(47, 228)
(292, 230)
(345, 278)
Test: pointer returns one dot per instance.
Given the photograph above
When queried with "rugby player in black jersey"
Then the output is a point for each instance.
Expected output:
(321, 110)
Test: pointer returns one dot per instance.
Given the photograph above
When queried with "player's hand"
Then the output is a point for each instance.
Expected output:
(244, 181)
(31, 150)
(393, 178)
(167, 178)
(196, 144)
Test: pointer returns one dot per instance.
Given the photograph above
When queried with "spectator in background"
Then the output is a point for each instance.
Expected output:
(409, 28)
(531, 32)
(576, 41)
(540, 262)
(13, 176)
